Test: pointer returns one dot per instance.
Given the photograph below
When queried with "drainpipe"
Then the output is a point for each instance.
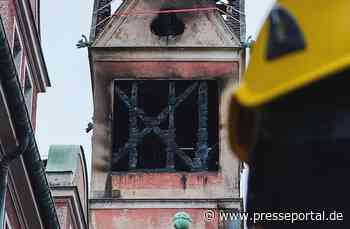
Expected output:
(27, 145)
(4, 169)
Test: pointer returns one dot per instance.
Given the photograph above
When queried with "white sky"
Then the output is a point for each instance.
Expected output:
(65, 110)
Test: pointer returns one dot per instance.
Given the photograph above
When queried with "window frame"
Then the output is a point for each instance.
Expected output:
(16, 33)
(27, 74)
(7, 222)
(165, 169)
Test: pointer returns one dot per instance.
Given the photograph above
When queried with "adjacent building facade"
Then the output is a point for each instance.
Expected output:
(159, 70)
(67, 176)
(25, 197)
(34, 194)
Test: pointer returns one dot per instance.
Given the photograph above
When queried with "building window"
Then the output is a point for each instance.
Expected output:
(28, 91)
(7, 223)
(165, 125)
(17, 50)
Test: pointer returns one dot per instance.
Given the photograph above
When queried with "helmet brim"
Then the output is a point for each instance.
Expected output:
(242, 124)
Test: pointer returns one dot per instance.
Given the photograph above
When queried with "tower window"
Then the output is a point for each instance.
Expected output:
(165, 125)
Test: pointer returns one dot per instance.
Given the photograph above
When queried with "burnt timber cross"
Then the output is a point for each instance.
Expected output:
(167, 136)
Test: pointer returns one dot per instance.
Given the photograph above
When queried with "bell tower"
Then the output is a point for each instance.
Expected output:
(159, 69)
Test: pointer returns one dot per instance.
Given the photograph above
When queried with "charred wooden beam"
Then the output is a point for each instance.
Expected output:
(185, 158)
(185, 94)
(167, 136)
(171, 145)
(202, 134)
(133, 130)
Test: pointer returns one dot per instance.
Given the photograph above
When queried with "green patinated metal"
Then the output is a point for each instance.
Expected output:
(83, 43)
(182, 220)
(63, 158)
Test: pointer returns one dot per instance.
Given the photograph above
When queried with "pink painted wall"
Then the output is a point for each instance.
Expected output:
(64, 213)
(147, 219)
(166, 180)
(8, 12)
(152, 69)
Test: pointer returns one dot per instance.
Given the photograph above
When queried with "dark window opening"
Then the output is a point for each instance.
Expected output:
(28, 92)
(186, 136)
(157, 92)
(151, 153)
(167, 25)
(17, 51)
(165, 125)
(213, 120)
(121, 127)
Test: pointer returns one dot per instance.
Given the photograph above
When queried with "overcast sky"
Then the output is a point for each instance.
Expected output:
(65, 110)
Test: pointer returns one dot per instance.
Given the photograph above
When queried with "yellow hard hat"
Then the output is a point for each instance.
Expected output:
(301, 42)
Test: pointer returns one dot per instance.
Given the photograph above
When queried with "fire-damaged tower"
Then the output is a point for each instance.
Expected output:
(159, 69)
